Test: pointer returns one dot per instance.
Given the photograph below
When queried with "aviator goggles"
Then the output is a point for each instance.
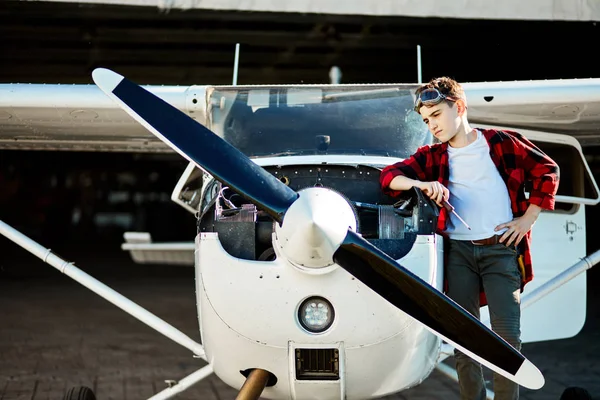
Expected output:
(430, 97)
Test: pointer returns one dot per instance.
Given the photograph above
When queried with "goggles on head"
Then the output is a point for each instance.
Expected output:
(430, 97)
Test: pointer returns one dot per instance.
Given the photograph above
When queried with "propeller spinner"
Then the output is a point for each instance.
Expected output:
(317, 229)
(314, 227)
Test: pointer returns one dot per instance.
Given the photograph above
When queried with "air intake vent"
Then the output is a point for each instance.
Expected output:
(317, 364)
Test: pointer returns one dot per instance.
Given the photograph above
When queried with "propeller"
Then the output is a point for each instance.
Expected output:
(321, 224)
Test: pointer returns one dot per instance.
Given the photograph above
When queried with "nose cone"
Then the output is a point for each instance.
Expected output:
(314, 226)
(313, 232)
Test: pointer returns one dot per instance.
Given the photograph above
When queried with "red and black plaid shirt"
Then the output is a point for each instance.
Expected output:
(516, 158)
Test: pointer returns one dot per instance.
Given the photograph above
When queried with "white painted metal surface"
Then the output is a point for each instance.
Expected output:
(559, 105)
(83, 118)
(248, 318)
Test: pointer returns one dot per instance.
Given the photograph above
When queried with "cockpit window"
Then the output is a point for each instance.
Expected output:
(276, 121)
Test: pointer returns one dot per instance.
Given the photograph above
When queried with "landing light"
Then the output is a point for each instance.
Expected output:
(316, 314)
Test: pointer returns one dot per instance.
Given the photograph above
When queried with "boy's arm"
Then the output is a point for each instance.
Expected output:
(401, 183)
(405, 174)
(544, 174)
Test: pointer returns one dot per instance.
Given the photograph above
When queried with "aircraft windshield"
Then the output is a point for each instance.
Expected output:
(282, 121)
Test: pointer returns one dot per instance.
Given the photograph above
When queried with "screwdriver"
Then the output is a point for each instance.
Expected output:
(450, 208)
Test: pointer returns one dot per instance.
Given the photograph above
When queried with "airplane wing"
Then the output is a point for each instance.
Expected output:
(82, 118)
(570, 106)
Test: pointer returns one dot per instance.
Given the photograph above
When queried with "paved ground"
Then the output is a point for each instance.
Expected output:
(54, 333)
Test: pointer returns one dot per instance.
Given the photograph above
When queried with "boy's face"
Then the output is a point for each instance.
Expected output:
(443, 120)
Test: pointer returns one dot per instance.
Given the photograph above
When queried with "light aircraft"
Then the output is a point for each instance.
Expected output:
(310, 283)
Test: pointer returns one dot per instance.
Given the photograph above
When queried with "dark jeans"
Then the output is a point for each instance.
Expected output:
(495, 267)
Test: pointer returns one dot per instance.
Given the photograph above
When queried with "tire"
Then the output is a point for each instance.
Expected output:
(575, 393)
(79, 393)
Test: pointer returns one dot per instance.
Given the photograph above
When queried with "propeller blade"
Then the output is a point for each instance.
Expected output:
(434, 310)
(198, 144)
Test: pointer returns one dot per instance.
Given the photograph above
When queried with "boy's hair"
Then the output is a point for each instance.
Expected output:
(446, 86)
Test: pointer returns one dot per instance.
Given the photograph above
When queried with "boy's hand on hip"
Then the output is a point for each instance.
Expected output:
(518, 227)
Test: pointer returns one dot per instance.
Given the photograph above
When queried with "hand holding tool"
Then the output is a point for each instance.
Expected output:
(450, 208)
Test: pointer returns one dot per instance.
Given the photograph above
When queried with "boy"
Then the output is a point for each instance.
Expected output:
(482, 173)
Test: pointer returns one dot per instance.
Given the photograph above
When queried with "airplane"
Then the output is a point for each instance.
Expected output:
(311, 283)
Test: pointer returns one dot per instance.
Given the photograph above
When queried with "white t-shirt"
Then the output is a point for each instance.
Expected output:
(477, 192)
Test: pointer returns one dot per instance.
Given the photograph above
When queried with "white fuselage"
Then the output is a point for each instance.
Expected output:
(248, 319)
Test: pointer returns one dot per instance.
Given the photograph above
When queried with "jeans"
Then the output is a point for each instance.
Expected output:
(496, 268)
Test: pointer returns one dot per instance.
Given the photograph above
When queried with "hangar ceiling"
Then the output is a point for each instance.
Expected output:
(63, 42)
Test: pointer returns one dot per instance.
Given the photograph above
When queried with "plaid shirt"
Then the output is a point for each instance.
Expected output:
(516, 158)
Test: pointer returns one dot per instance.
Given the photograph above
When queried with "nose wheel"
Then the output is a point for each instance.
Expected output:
(79, 393)
(255, 384)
